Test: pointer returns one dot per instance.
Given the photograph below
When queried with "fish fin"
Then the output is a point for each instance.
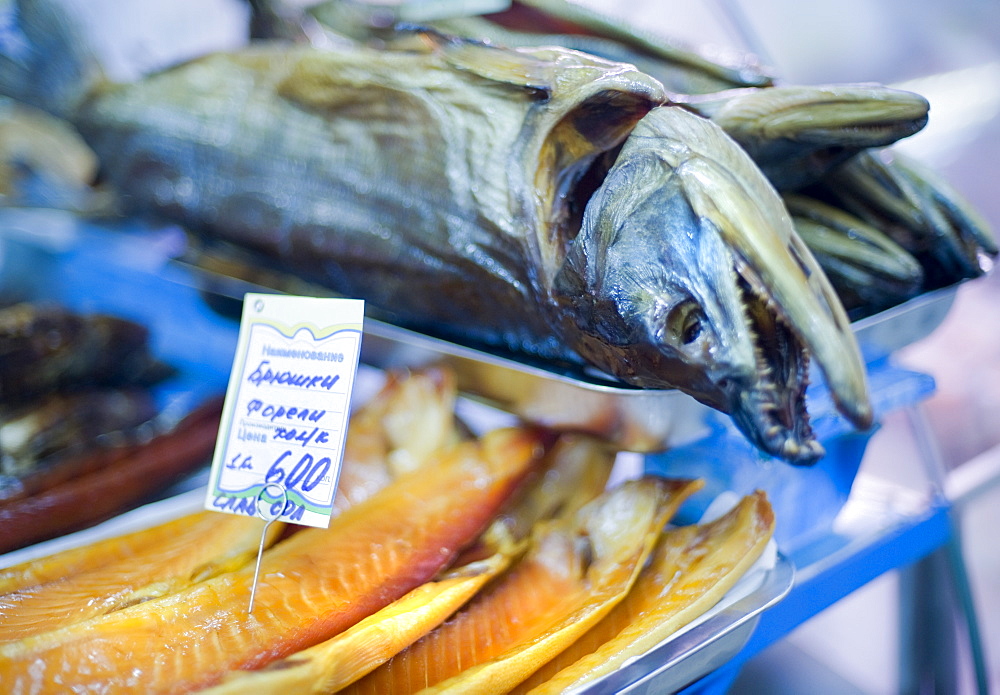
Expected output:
(519, 68)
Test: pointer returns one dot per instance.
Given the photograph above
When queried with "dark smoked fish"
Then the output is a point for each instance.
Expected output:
(44, 348)
(452, 185)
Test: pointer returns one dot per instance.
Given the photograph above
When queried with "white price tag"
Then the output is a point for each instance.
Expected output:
(284, 421)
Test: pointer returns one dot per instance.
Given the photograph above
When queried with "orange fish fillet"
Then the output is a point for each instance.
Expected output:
(691, 569)
(575, 471)
(338, 662)
(84, 558)
(154, 562)
(576, 570)
(313, 585)
(202, 545)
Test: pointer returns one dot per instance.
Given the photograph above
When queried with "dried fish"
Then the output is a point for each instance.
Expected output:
(574, 473)
(692, 568)
(44, 347)
(451, 184)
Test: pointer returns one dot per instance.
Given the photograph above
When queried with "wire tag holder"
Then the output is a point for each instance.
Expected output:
(269, 515)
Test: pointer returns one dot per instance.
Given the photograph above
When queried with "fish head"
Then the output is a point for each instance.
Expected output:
(687, 274)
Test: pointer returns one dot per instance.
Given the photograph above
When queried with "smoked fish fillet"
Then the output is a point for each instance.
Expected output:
(397, 430)
(83, 558)
(201, 546)
(575, 471)
(153, 562)
(338, 662)
(575, 571)
(313, 585)
(691, 569)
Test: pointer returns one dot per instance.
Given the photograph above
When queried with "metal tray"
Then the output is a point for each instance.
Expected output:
(695, 651)
(704, 646)
(884, 333)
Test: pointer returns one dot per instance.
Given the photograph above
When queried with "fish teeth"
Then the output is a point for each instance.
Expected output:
(791, 449)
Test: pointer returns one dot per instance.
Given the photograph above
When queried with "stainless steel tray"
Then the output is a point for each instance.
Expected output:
(695, 651)
(705, 646)
(640, 420)
(882, 334)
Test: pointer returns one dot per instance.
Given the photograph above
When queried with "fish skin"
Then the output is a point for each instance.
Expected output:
(313, 585)
(870, 271)
(736, 68)
(680, 70)
(47, 347)
(679, 172)
(797, 134)
(52, 428)
(916, 209)
(691, 569)
(577, 568)
(491, 243)
(127, 478)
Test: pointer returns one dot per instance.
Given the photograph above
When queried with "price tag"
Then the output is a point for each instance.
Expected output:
(285, 417)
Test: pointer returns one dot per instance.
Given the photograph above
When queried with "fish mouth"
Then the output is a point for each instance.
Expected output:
(771, 410)
(792, 316)
(690, 275)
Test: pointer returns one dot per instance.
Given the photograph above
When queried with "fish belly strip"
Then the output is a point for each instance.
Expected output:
(691, 570)
(364, 472)
(527, 601)
(540, 605)
(611, 573)
(338, 662)
(116, 572)
(313, 586)
(84, 558)
(99, 495)
(203, 545)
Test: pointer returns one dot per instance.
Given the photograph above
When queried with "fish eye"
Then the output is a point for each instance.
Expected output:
(685, 321)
